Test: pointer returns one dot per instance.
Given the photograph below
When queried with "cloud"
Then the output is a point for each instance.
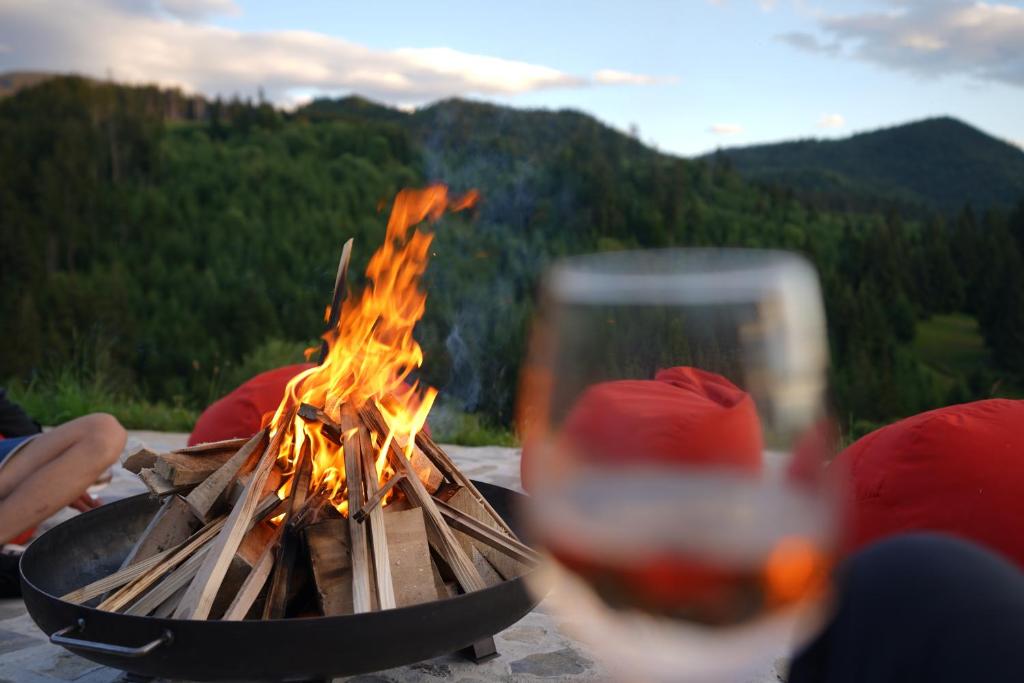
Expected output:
(981, 40)
(726, 129)
(164, 42)
(831, 121)
(613, 77)
(808, 42)
(194, 10)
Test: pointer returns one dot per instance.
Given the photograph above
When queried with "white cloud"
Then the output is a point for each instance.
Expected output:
(831, 121)
(979, 39)
(726, 129)
(162, 41)
(614, 77)
(193, 10)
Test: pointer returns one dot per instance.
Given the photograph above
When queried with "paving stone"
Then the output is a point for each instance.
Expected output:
(63, 665)
(433, 670)
(557, 664)
(16, 675)
(12, 641)
(525, 634)
(11, 608)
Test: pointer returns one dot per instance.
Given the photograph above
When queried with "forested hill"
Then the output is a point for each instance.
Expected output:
(940, 163)
(171, 248)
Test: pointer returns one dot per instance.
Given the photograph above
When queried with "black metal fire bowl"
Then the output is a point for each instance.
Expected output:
(92, 545)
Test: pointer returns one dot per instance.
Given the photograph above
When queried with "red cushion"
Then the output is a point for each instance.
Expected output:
(240, 413)
(682, 416)
(958, 470)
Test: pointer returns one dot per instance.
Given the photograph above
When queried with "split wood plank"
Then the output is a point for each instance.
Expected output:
(119, 578)
(158, 485)
(134, 589)
(250, 550)
(449, 549)
(409, 556)
(444, 463)
(181, 469)
(487, 572)
(250, 590)
(170, 585)
(491, 542)
(362, 600)
(137, 459)
(198, 600)
(376, 498)
(330, 561)
(205, 497)
(508, 556)
(378, 535)
(165, 610)
(277, 598)
(274, 481)
(172, 524)
(421, 464)
(338, 297)
(224, 445)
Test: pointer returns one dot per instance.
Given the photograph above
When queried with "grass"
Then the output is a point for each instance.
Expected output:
(450, 425)
(951, 344)
(952, 347)
(65, 396)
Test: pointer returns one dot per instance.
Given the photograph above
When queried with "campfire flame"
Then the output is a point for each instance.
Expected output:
(371, 353)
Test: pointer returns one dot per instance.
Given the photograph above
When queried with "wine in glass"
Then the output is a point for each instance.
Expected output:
(675, 424)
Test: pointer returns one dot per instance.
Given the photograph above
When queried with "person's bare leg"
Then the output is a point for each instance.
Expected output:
(54, 469)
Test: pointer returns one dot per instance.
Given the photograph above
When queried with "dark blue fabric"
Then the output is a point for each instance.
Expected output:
(8, 445)
(921, 607)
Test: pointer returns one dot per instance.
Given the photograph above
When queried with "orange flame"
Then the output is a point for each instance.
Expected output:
(372, 352)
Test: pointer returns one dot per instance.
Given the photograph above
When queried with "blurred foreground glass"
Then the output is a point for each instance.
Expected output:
(688, 521)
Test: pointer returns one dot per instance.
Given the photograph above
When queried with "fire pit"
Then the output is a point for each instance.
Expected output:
(93, 545)
(337, 539)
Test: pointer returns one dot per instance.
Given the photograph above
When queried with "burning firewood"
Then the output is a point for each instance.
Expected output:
(342, 478)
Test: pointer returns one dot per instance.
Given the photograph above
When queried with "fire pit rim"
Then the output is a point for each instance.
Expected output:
(45, 607)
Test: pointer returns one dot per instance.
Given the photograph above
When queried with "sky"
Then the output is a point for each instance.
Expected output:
(688, 76)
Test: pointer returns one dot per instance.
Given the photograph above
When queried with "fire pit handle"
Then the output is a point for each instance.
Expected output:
(62, 638)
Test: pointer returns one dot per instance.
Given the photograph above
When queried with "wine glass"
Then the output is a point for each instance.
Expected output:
(675, 425)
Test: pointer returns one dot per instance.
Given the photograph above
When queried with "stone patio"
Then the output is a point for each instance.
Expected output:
(535, 648)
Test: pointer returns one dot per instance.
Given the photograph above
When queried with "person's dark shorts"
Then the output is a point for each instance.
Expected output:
(9, 446)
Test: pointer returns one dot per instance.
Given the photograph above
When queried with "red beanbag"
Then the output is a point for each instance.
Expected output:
(958, 470)
(682, 416)
(240, 413)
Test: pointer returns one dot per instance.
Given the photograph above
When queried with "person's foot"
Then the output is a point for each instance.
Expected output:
(10, 580)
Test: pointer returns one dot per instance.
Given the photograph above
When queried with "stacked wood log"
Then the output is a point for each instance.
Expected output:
(225, 545)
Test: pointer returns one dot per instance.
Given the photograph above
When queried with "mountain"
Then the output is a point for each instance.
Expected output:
(940, 163)
(166, 248)
(13, 81)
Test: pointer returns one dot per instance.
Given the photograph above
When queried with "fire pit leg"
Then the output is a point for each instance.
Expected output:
(481, 651)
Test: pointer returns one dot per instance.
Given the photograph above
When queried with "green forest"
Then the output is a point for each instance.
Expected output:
(156, 253)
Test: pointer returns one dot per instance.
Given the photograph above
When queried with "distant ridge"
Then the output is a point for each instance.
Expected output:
(939, 163)
(13, 81)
